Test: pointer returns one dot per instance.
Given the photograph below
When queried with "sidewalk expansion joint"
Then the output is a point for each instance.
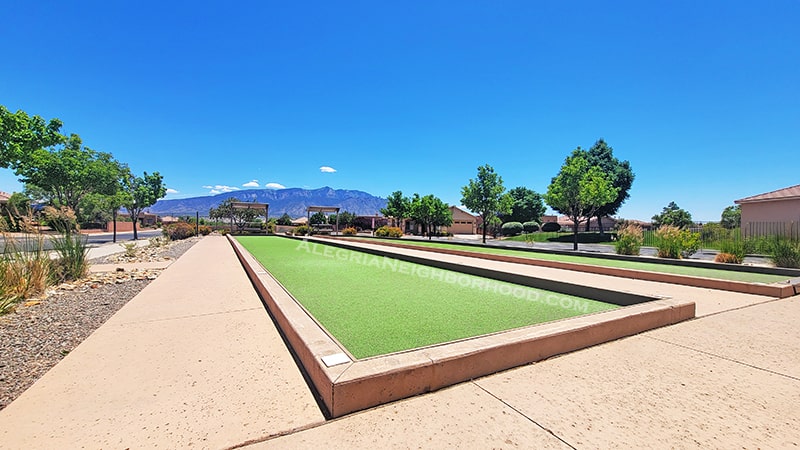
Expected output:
(791, 377)
(190, 316)
(530, 419)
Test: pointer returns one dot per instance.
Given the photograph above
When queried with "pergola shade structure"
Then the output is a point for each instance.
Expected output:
(249, 205)
(317, 228)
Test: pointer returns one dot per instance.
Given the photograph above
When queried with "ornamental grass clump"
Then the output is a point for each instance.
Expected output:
(675, 243)
(785, 252)
(24, 270)
(731, 252)
(629, 239)
(72, 263)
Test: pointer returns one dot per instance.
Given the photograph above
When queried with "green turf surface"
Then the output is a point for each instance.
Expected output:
(375, 305)
(649, 267)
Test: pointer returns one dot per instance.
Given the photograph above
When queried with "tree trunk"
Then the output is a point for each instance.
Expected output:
(484, 229)
(115, 226)
(588, 222)
(600, 225)
(135, 219)
(575, 225)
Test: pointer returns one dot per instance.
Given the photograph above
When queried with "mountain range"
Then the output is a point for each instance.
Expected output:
(292, 201)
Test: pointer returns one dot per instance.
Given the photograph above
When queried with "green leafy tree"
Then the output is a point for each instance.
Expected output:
(143, 192)
(732, 217)
(484, 196)
(21, 135)
(16, 213)
(64, 176)
(579, 190)
(526, 206)
(239, 217)
(318, 218)
(430, 212)
(345, 219)
(398, 208)
(673, 215)
(619, 173)
(285, 220)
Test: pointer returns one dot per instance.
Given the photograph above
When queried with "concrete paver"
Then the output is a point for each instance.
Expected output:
(193, 360)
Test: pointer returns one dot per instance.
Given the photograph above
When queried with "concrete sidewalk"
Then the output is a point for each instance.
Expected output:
(194, 360)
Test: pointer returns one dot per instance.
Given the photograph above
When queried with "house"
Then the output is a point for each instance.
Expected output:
(776, 212)
(4, 196)
(463, 222)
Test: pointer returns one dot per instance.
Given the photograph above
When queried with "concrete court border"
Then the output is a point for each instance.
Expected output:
(778, 290)
(360, 384)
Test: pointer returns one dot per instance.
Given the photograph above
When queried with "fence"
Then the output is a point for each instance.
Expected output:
(760, 234)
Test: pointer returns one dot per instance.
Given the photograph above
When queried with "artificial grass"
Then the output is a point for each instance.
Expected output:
(721, 274)
(374, 305)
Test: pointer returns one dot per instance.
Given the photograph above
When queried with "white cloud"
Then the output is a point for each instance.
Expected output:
(172, 191)
(251, 184)
(326, 169)
(274, 186)
(220, 189)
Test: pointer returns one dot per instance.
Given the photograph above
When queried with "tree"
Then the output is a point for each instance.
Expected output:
(484, 196)
(64, 176)
(430, 212)
(318, 218)
(672, 214)
(526, 206)
(238, 216)
(620, 174)
(732, 217)
(397, 207)
(143, 192)
(579, 190)
(285, 219)
(21, 135)
(345, 218)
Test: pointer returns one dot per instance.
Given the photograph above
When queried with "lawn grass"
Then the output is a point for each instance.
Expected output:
(375, 306)
(719, 274)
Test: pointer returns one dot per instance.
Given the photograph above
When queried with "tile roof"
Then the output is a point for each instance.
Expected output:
(4, 196)
(788, 193)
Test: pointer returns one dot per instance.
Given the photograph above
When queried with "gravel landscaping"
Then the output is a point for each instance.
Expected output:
(39, 333)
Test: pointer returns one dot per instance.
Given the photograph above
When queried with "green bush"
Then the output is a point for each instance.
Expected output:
(736, 248)
(530, 227)
(511, 229)
(179, 230)
(349, 231)
(785, 253)
(672, 242)
(551, 227)
(205, 230)
(302, 230)
(629, 239)
(386, 231)
(72, 249)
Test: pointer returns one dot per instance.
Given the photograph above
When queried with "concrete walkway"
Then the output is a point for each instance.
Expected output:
(195, 361)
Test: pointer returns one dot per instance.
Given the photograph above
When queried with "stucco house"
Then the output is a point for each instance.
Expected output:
(463, 222)
(776, 212)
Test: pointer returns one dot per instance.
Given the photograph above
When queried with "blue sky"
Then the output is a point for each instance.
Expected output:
(702, 98)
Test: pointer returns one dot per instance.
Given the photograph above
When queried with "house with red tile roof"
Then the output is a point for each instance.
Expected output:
(765, 211)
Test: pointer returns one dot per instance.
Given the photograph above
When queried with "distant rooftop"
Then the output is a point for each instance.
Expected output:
(788, 193)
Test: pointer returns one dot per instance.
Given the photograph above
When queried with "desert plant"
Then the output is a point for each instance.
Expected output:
(178, 231)
(130, 247)
(785, 253)
(511, 229)
(349, 231)
(551, 227)
(205, 230)
(672, 242)
(62, 219)
(530, 227)
(72, 249)
(629, 239)
(386, 231)
(302, 230)
(727, 258)
(735, 248)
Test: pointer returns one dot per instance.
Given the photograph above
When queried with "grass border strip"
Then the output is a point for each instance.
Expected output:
(770, 290)
(362, 384)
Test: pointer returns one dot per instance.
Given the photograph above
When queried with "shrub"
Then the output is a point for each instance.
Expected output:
(349, 231)
(61, 219)
(530, 227)
(386, 231)
(24, 270)
(178, 231)
(727, 258)
(205, 230)
(511, 229)
(223, 231)
(735, 248)
(785, 252)
(629, 239)
(672, 242)
(551, 227)
(72, 249)
(302, 230)
(130, 248)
